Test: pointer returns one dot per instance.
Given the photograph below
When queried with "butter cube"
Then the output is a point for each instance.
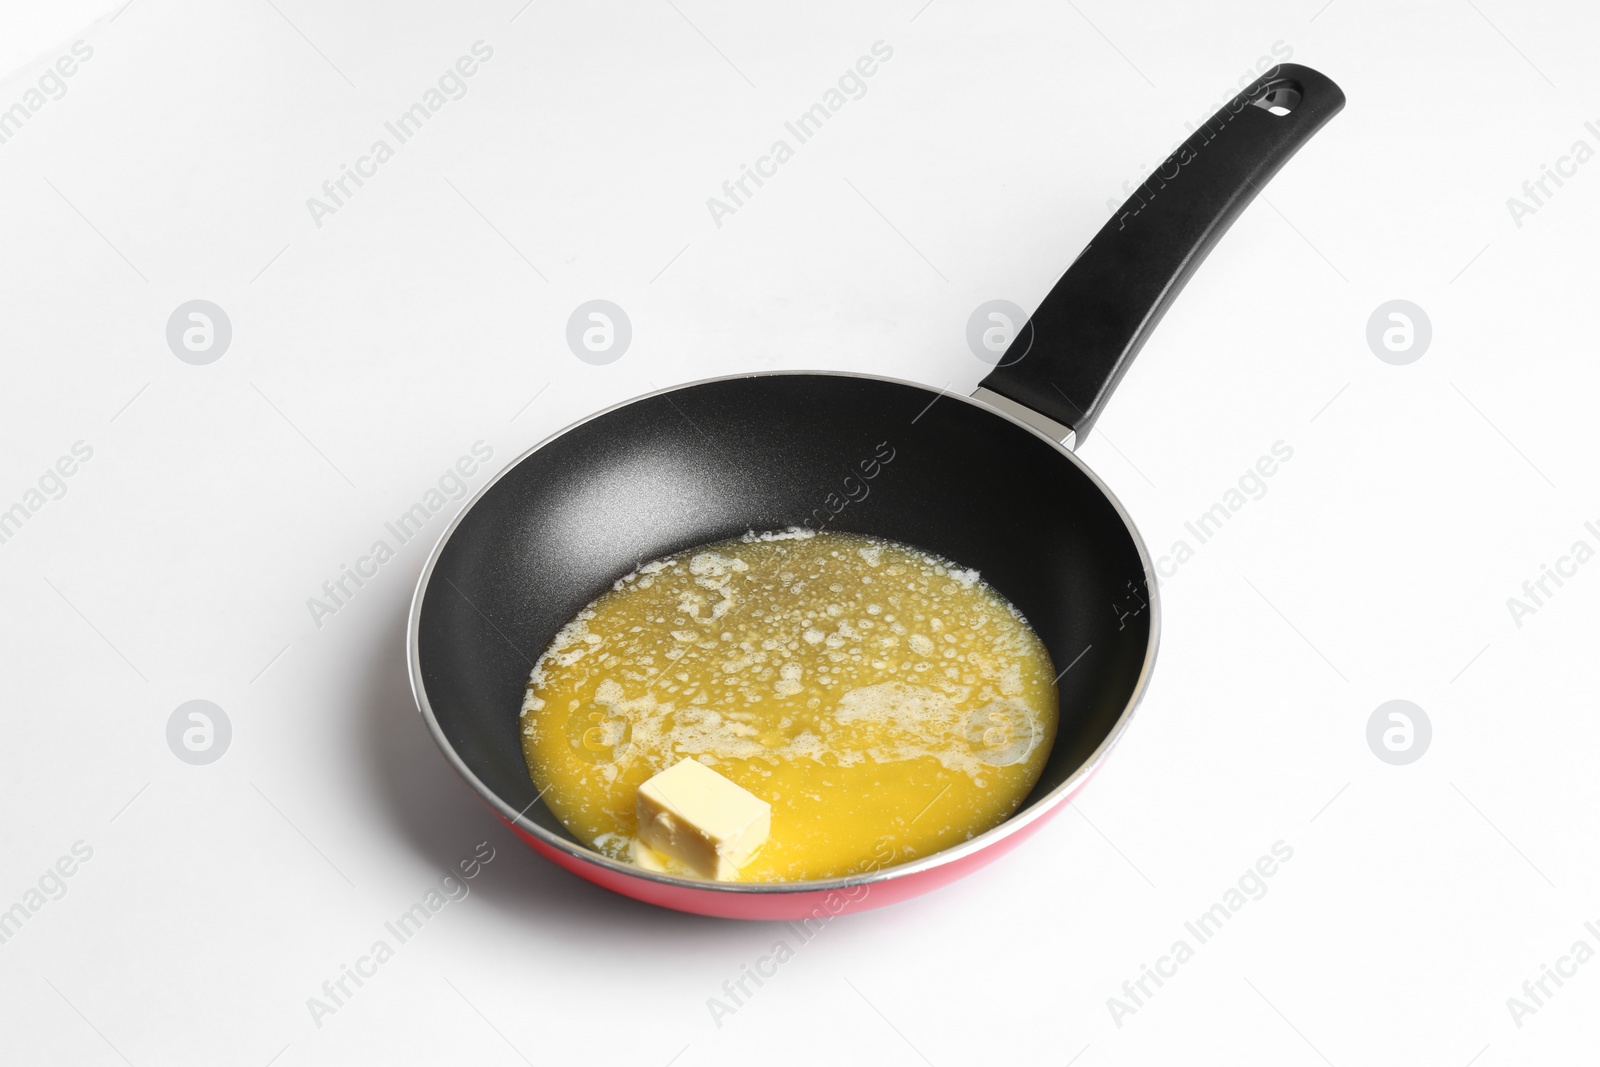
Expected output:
(694, 815)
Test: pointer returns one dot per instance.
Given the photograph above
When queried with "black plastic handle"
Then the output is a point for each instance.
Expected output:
(1082, 339)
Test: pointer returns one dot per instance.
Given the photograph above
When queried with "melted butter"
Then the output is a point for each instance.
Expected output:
(885, 702)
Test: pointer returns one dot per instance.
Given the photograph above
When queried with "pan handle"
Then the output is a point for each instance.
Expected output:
(1081, 340)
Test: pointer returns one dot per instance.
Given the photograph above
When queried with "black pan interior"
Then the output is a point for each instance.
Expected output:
(766, 452)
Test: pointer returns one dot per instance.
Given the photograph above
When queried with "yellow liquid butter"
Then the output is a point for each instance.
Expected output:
(886, 703)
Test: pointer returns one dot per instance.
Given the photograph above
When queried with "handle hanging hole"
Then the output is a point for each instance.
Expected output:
(1278, 100)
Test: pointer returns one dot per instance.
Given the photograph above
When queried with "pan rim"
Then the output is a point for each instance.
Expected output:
(1039, 809)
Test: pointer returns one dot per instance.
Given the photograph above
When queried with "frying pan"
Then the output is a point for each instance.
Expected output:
(989, 481)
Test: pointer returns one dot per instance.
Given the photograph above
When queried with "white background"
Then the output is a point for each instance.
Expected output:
(429, 312)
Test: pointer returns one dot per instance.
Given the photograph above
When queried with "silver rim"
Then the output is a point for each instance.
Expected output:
(1038, 810)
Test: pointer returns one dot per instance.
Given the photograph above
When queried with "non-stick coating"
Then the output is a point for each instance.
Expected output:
(766, 452)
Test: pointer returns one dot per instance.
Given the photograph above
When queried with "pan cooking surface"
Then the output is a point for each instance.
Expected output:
(714, 460)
